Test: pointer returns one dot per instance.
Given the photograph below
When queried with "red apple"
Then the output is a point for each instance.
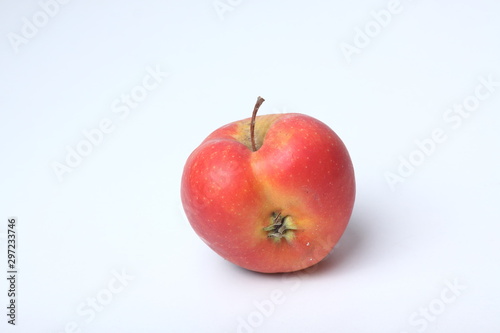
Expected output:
(272, 193)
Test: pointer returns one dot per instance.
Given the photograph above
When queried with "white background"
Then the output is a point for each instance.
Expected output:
(422, 255)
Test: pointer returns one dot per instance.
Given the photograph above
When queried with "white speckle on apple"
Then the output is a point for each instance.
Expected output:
(307, 244)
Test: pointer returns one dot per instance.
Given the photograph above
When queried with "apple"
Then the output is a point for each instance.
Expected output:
(270, 193)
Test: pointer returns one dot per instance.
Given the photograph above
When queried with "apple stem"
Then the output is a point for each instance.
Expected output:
(259, 102)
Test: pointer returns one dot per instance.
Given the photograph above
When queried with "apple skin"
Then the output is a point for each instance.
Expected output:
(301, 170)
